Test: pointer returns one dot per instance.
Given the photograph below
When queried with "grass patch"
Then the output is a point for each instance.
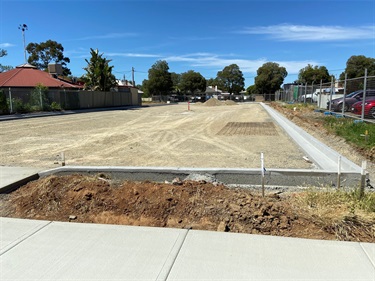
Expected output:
(342, 213)
(352, 132)
(349, 200)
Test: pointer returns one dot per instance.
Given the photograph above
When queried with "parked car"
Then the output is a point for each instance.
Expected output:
(315, 95)
(369, 107)
(337, 104)
(308, 97)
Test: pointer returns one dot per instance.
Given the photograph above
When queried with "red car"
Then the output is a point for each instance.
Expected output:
(369, 107)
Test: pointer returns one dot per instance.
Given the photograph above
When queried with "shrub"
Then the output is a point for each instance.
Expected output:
(39, 98)
(18, 106)
(55, 106)
(3, 103)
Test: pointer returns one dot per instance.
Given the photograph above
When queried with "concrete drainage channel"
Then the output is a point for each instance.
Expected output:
(328, 162)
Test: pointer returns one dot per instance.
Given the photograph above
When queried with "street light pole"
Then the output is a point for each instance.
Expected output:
(23, 27)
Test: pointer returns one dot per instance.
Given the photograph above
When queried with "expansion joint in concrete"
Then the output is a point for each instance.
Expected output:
(167, 267)
(20, 240)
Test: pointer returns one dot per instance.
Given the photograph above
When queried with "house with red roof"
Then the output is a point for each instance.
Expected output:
(20, 82)
(28, 76)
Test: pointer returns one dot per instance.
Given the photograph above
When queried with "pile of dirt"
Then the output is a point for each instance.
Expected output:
(216, 102)
(230, 102)
(183, 204)
(213, 102)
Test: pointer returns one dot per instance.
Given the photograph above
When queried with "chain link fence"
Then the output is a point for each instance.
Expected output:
(351, 97)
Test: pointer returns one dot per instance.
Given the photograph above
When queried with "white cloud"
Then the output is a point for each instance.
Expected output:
(6, 45)
(293, 67)
(288, 32)
(217, 62)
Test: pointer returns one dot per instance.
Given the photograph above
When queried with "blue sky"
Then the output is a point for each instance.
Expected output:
(204, 36)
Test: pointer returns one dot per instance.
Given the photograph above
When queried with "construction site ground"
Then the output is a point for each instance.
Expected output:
(207, 135)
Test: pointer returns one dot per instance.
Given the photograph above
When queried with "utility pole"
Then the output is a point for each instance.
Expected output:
(23, 27)
(133, 76)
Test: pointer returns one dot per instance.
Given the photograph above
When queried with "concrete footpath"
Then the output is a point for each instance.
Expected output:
(13, 177)
(45, 250)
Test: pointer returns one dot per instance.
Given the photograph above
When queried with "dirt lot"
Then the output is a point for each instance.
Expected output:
(168, 136)
(159, 136)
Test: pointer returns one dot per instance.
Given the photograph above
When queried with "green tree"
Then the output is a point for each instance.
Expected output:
(98, 75)
(232, 79)
(313, 74)
(356, 65)
(215, 82)
(270, 76)
(40, 55)
(252, 90)
(176, 79)
(144, 88)
(192, 82)
(159, 79)
(3, 68)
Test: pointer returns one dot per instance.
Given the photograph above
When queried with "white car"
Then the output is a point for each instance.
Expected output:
(308, 97)
(316, 94)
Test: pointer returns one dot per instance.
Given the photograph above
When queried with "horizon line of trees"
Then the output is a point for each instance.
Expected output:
(270, 76)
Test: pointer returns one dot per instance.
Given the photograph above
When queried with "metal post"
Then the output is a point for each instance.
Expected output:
(330, 95)
(339, 172)
(41, 99)
(364, 96)
(23, 27)
(343, 108)
(62, 158)
(10, 101)
(312, 92)
(262, 172)
(304, 99)
(363, 179)
(133, 76)
(320, 94)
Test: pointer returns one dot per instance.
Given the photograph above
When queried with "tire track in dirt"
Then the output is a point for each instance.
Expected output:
(151, 136)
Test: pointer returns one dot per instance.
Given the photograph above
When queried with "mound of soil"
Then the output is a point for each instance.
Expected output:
(182, 204)
(213, 102)
(230, 102)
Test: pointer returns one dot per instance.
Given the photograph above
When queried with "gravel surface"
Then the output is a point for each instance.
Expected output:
(227, 136)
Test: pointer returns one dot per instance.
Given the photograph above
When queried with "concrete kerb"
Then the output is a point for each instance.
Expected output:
(274, 178)
(13, 177)
(322, 155)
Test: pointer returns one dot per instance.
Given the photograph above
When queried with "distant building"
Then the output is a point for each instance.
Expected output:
(27, 76)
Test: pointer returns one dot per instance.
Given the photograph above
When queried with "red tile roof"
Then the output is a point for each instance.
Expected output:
(27, 75)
